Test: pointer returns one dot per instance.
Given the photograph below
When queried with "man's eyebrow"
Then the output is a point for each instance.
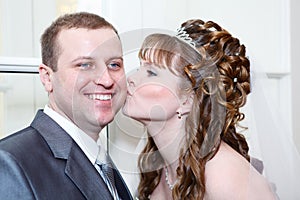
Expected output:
(82, 58)
(116, 57)
(93, 58)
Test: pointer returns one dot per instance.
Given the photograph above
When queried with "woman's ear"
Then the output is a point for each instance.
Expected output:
(187, 103)
(46, 77)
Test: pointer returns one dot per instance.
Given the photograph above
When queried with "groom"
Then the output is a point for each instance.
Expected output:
(83, 74)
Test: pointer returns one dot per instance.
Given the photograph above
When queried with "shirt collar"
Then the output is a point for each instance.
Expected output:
(85, 142)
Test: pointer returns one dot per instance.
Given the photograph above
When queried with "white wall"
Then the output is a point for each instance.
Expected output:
(14, 28)
(295, 69)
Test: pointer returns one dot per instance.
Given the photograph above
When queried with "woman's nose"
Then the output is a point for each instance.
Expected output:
(130, 81)
(133, 78)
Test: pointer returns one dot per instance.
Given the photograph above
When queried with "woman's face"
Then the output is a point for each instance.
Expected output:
(152, 94)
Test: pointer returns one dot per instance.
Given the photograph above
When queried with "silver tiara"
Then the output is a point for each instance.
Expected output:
(184, 36)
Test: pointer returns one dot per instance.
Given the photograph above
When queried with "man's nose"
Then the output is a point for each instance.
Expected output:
(104, 78)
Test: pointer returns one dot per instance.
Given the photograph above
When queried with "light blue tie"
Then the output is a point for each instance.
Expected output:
(106, 172)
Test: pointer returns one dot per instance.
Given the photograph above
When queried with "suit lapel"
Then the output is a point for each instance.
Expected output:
(78, 168)
(122, 188)
(120, 184)
(85, 176)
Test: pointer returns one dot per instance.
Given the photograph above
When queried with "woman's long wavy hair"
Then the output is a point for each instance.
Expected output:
(217, 71)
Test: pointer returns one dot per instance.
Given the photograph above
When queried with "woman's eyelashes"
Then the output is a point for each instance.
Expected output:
(145, 66)
(151, 73)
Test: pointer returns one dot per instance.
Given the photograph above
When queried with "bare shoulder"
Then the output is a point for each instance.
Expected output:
(230, 176)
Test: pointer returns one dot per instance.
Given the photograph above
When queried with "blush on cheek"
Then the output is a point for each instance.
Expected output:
(155, 92)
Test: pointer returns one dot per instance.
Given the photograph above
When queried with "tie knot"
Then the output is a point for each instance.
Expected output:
(102, 156)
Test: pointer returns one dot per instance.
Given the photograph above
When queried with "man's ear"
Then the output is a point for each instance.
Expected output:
(46, 77)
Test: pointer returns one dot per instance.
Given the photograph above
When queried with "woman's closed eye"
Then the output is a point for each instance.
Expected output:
(151, 73)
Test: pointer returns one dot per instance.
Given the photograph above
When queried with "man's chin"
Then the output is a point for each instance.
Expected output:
(105, 118)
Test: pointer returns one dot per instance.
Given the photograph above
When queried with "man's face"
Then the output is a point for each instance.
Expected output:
(89, 86)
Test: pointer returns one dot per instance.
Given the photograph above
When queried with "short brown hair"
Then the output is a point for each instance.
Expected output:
(50, 47)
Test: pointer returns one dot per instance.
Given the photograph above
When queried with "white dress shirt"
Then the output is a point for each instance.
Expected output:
(89, 146)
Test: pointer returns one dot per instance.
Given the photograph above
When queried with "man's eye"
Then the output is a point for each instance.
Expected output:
(114, 66)
(85, 65)
(151, 73)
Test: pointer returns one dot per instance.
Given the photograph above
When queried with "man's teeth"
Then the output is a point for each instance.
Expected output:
(99, 96)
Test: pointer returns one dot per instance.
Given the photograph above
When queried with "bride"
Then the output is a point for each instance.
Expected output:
(188, 92)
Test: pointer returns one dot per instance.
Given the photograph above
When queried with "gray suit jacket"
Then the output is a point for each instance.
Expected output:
(43, 162)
